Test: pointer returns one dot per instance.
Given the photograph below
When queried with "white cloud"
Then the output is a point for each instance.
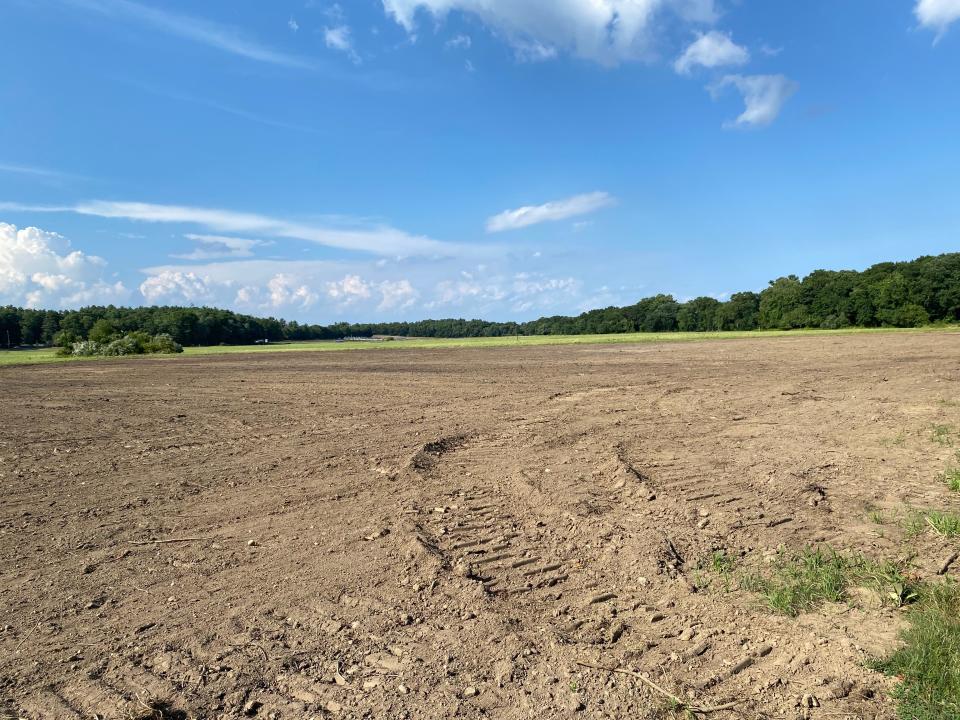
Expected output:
(339, 38)
(213, 247)
(763, 95)
(937, 14)
(396, 295)
(710, 50)
(293, 24)
(201, 31)
(37, 172)
(175, 287)
(348, 290)
(37, 269)
(605, 31)
(521, 292)
(458, 42)
(380, 240)
(557, 210)
(287, 291)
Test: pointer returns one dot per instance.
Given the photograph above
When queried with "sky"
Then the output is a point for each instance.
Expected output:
(375, 160)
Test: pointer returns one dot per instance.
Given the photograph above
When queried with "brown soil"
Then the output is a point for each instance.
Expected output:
(428, 534)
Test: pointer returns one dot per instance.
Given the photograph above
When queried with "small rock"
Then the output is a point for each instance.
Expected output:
(252, 707)
(403, 689)
(251, 543)
(656, 617)
(406, 619)
(688, 634)
(334, 707)
(470, 692)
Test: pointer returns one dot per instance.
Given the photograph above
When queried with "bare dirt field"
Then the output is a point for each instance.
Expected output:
(432, 534)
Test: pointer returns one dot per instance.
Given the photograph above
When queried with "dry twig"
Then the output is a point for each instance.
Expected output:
(173, 540)
(680, 704)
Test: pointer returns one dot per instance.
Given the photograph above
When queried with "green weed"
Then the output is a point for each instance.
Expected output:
(952, 479)
(942, 435)
(945, 524)
(802, 580)
(928, 663)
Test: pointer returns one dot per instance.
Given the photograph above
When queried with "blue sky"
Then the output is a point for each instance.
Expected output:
(506, 159)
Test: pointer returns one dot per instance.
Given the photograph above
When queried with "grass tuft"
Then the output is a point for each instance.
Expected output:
(802, 580)
(945, 524)
(942, 435)
(952, 479)
(928, 664)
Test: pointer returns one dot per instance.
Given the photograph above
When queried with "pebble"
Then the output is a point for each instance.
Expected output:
(403, 689)
(470, 692)
(251, 543)
(688, 634)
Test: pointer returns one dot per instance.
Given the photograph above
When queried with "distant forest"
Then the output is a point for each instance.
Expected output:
(895, 294)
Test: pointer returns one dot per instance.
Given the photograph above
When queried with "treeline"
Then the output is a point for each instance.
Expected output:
(897, 294)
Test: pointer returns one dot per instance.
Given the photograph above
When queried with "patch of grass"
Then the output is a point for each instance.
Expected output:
(803, 580)
(722, 564)
(952, 479)
(928, 663)
(942, 435)
(945, 524)
(878, 517)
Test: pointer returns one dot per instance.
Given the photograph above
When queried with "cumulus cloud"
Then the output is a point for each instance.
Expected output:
(548, 212)
(396, 295)
(604, 31)
(381, 239)
(937, 14)
(710, 50)
(173, 287)
(287, 291)
(520, 292)
(38, 269)
(763, 95)
(348, 290)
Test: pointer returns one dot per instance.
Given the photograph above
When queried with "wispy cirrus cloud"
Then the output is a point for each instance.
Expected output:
(188, 27)
(214, 247)
(549, 212)
(379, 239)
(38, 172)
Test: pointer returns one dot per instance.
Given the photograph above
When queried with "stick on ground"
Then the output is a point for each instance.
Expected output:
(680, 704)
(947, 563)
(173, 540)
